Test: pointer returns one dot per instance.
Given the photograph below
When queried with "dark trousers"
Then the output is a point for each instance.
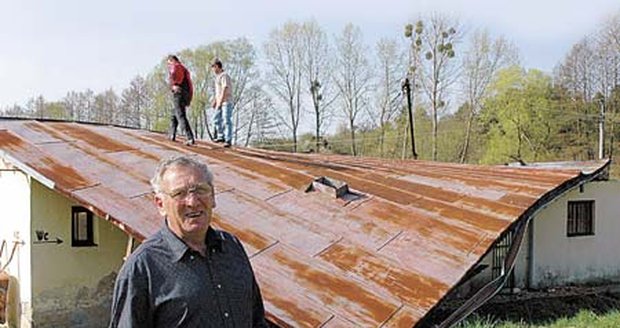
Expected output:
(179, 117)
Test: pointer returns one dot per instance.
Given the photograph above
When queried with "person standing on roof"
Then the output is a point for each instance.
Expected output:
(222, 103)
(182, 92)
(187, 274)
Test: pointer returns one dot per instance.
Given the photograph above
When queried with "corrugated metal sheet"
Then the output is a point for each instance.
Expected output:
(382, 258)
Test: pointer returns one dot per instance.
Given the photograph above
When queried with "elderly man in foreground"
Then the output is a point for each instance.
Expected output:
(187, 274)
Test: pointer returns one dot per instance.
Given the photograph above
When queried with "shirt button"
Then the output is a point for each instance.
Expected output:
(219, 286)
(226, 314)
(191, 257)
(212, 250)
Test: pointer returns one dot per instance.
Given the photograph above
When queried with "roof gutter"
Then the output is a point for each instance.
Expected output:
(520, 227)
(27, 169)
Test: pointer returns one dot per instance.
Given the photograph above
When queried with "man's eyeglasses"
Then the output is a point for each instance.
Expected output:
(200, 190)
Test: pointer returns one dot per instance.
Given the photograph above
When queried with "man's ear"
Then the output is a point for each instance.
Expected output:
(159, 203)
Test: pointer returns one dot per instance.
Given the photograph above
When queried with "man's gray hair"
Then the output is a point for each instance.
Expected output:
(187, 161)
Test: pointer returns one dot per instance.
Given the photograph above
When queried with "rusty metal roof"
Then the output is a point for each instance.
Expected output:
(381, 258)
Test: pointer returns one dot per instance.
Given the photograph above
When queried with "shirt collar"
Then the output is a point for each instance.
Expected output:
(179, 248)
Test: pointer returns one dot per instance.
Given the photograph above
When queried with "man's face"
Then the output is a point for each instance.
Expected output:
(215, 69)
(186, 200)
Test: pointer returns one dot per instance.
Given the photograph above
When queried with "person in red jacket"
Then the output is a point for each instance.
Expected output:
(182, 92)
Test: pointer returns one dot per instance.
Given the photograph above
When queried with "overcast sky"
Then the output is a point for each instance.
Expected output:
(50, 47)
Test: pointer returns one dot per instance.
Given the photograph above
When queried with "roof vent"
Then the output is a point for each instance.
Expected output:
(333, 187)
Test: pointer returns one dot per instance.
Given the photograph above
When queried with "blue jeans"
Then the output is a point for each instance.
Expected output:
(220, 133)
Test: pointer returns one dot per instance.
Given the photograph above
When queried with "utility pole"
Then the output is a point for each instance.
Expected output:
(406, 86)
(601, 130)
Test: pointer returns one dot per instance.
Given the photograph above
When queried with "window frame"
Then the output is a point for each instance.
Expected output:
(575, 226)
(90, 227)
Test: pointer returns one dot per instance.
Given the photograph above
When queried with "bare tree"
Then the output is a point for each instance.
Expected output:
(106, 108)
(240, 65)
(606, 68)
(352, 76)
(15, 111)
(284, 55)
(134, 100)
(481, 62)
(611, 30)
(258, 123)
(317, 74)
(439, 38)
(391, 66)
(576, 72)
(36, 106)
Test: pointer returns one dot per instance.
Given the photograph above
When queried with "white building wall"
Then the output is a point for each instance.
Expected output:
(71, 286)
(15, 227)
(560, 260)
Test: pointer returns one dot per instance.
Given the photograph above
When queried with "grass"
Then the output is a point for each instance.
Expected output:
(584, 319)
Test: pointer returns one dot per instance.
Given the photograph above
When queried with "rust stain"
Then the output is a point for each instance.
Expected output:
(96, 151)
(410, 287)
(502, 177)
(65, 177)
(92, 138)
(425, 226)
(43, 128)
(268, 184)
(404, 318)
(145, 155)
(372, 308)
(519, 200)
(9, 141)
(291, 178)
(301, 316)
(428, 201)
(247, 236)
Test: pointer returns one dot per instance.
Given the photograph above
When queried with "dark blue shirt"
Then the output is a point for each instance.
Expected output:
(164, 283)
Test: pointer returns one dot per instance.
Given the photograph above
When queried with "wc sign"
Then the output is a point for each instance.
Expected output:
(43, 237)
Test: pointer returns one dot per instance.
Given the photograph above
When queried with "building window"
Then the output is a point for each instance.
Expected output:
(580, 218)
(82, 227)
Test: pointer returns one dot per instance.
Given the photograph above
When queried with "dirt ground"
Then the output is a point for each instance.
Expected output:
(540, 307)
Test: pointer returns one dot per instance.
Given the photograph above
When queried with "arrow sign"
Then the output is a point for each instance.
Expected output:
(57, 241)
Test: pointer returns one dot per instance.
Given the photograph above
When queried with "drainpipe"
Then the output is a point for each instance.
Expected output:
(129, 249)
(530, 256)
(489, 290)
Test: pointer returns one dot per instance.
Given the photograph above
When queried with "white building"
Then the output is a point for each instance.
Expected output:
(65, 258)
(570, 240)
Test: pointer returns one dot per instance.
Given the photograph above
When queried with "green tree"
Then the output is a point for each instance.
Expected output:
(481, 61)
(519, 117)
(157, 115)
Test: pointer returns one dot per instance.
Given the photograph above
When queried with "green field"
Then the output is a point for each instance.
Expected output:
(582, 320)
